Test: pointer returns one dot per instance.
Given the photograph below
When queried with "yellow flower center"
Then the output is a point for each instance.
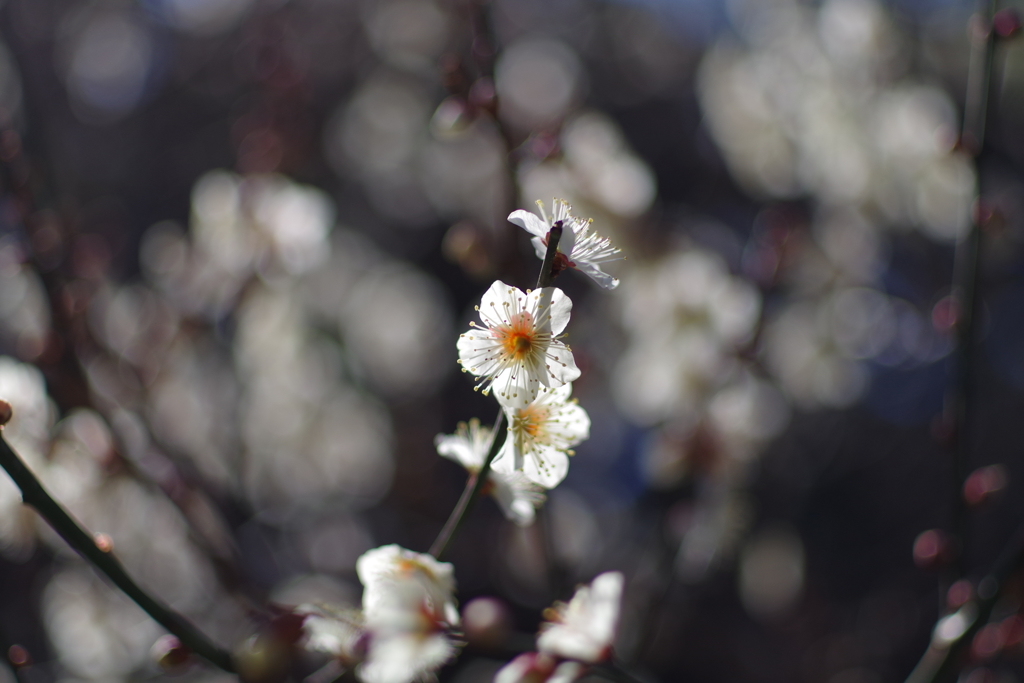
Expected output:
(518, 337)
(407, 566)
(530, 420)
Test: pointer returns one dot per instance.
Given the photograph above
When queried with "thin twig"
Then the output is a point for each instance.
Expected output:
(33, 493)
(959, 405)
(547, 271)
(941, 661)
(469, 495)
(477, 480)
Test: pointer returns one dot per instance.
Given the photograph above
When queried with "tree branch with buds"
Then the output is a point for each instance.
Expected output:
(100, 555)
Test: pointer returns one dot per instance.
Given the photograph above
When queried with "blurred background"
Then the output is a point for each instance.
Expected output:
(238, 239)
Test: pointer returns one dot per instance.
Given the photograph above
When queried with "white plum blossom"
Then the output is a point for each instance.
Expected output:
(409, 612)
(538, 667)
(584, 629)
(578, 248)
(340, 633)
(409, 639)
(541, 435)
(518, 349)
(687, 318)
(381, 569)
(517, 496)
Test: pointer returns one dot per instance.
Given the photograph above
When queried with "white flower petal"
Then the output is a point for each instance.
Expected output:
(561, 366)
(585, 628)
(404, 658)
(539, 247)
(553, 308)
(567, 672)
(391, 573)
(478, 352)
(517, 385)
(547, 466)
(468, 446)
(529, 222)
(597, 275)
(495, 303)
(517, 496)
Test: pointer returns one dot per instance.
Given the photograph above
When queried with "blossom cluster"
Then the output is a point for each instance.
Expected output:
(516, 350)
(408, 625)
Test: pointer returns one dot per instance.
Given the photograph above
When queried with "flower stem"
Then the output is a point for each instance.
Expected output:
(943, 659)
(469, 495)
(33, 494)
(476, 481)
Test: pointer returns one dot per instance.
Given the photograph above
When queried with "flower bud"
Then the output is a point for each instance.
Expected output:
(987, 643)
(945, 314)
(983, 483)
(19, 657)
(1006, 23)
(486, 622)
(959, 593)
(169, 653)
(932, 549)
(262, 659)
(287, 627)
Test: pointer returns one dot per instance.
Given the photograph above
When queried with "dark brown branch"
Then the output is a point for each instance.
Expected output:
(33, 493)
(959, 406)
(942, 660)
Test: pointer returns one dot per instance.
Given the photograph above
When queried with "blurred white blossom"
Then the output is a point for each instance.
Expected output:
(603, 166)
(539, 667)
(686, 317)
(99, 633)
(24, 310)
(407, 33)
(804, 348)
(597, 169)
(537, 80)
(409, 608)
(398, 326)
(808, 106)
(338, 632)
(584, 629)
